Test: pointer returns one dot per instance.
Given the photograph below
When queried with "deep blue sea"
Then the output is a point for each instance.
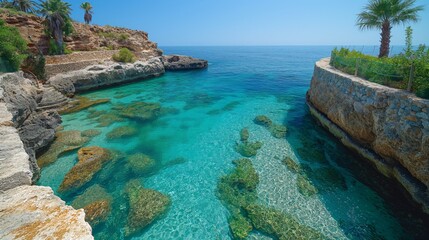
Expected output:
(213, 106)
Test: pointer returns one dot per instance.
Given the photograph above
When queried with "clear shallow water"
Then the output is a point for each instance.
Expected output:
(214, 105)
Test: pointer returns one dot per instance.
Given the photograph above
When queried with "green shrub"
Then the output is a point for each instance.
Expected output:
(13, 48)
(114, 35)
(124, 55)
(392, 72)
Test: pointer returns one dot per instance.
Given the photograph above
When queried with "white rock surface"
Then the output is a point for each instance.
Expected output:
(34, 212)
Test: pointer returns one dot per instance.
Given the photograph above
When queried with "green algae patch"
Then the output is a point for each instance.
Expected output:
(263, 121)
(248, 149)
(91, 160)
(140, 163)
(122, 132)
(291, 165)
(146, 206)
(240, 227)
(108, 119)
(65, 141)
(237, 190)
(82, 103)
(276, 130)
(279, 225)
(139, 111)
(91, 133)
(305, 186)
(244, 134)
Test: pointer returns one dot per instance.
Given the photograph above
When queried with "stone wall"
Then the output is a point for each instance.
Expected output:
(388, 126)
(27, 211)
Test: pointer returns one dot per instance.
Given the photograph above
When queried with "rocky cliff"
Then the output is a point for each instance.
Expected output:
(26, 211)
(388, 126)
(84, 38)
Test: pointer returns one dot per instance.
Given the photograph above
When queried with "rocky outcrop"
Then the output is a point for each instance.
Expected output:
(388, 126)
(29, 212)
(22, 98)
(34, 212)
(177, 62)
(84, 38)
(110, 73)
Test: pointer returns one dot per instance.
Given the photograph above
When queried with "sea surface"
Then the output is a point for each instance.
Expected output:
(212, 106)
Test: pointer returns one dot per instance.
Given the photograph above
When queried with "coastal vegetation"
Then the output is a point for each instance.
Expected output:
(408, 70)
(384, 14)
(58, 23)
(13, 48)
(124, 55)
(88, 12)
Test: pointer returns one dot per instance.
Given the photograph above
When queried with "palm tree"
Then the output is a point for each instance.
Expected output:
(88, 12)
(57, 20)
(25, 5)
(382, 14)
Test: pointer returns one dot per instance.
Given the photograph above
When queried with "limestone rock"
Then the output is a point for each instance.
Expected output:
(86, 79)
(91, 160)
(392, 123)
(34, 212)
(178, 62)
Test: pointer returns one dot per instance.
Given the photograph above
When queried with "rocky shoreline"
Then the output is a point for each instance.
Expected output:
(28, 122)
(387, 126)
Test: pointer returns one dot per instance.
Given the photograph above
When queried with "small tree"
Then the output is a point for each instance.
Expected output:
(25, 5)
(124, 55)
(383, 14)
(13, 48)
(408, 42)
(88, 12)
(57, 20)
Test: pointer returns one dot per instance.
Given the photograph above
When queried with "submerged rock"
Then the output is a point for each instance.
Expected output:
(178, 62)
(276, 130)
(200, 100)
(97, 212)
(263, 121)
(91, 133)
(139, 110)
(305, 186)
(146, 206)
(108, 119)
(96, 203)
(244, 134)
(140, 163)
(236, 191)
(239, 226)
(91, 160)
(65, 141)
(247, 149)
(122, 132)
(82, 103)
(279, 225)
(291, 165)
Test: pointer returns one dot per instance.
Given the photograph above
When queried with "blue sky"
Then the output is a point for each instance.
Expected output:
(247, 22)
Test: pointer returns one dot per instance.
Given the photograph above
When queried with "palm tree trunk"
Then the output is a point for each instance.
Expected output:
(385, 40)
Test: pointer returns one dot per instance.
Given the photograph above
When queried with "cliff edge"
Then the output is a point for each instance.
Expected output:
(388, 126)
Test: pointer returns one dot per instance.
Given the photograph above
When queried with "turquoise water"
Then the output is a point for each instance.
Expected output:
(213, 106)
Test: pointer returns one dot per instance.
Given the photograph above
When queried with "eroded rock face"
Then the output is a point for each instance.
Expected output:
(390, 122)
(105, 75)
(34, 212)
(177, 62)
(84, 38)
(22, 99)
